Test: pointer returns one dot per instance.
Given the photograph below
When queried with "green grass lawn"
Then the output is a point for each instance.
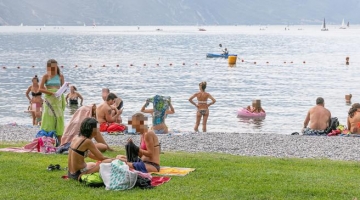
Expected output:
(217, 176)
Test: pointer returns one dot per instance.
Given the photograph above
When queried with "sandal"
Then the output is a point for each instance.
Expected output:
(52, 167)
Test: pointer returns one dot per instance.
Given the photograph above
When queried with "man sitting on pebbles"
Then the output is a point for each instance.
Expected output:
(105, 118)
(319, 118)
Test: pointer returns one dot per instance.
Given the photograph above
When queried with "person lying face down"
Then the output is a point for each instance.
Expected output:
(149, 151)
(81, 147)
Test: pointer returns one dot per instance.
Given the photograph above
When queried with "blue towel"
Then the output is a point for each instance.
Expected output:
(160, 105)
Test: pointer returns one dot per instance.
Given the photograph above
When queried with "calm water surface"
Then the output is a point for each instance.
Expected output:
(287, 90)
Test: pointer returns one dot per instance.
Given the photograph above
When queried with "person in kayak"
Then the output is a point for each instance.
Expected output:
(225, 51)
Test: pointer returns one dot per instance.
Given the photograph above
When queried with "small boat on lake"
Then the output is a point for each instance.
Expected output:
(324, 26)
(216, 55)
(343, 25)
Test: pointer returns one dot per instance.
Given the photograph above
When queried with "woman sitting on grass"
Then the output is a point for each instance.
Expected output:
(149, 151)
(79, 149)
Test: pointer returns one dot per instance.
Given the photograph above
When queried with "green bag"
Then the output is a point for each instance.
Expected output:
(92, 180)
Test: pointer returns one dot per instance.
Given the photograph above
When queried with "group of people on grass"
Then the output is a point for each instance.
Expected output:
(88, 121)
(318, 119)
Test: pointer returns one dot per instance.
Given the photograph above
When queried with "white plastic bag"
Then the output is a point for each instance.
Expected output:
(117, 176)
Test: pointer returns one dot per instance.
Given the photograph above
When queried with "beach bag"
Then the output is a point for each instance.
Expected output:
(92, 180)
(117, 176)
(334, 123)
(46, 145)
(50, 134)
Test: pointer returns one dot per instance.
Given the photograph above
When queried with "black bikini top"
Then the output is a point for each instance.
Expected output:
(36, 94)
(81, 153)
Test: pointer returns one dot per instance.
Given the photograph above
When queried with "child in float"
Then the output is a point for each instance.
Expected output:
(256, 107)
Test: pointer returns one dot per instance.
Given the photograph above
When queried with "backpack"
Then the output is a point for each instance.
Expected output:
(92, 180)
(334, 123)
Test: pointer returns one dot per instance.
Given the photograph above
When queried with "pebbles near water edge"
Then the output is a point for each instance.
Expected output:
(274, 145)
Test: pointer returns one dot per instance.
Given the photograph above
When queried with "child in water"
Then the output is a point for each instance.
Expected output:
(255, 107)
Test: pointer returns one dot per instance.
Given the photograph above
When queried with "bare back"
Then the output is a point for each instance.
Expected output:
(202, 97)
(101, 111)
(319, 117)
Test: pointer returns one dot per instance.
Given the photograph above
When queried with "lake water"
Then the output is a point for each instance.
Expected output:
(287, 90)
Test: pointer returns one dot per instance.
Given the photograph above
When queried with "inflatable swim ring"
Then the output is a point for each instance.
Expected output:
(243, 112)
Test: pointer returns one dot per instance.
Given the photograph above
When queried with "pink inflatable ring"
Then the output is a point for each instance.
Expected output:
(243, 112)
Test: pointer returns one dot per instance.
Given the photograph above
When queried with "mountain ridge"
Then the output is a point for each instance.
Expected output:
(177, 12)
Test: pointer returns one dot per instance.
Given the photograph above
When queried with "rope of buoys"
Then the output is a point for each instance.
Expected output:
(170, 64)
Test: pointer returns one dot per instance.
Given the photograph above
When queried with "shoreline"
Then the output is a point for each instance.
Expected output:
(243, 144)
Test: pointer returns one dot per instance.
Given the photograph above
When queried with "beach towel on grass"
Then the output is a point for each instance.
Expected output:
(160, 105)
(159, 180)
(174, 171)
(16, 150)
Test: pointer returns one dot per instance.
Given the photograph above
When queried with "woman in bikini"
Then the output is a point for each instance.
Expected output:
(149, 151)
(202, 106)
(73, 97)
(53, 109)
(35, 100)
(159, 127)
(353, 120)
(81, 147)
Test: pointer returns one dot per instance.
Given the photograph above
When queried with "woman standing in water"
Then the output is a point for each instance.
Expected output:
(202, 106)
(73, 97)
(35, 100)
(53, 114)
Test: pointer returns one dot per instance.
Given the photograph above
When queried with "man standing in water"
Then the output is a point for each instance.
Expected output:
(319, 118)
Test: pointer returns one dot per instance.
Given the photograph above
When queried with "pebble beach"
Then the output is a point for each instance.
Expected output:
(254, 144)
